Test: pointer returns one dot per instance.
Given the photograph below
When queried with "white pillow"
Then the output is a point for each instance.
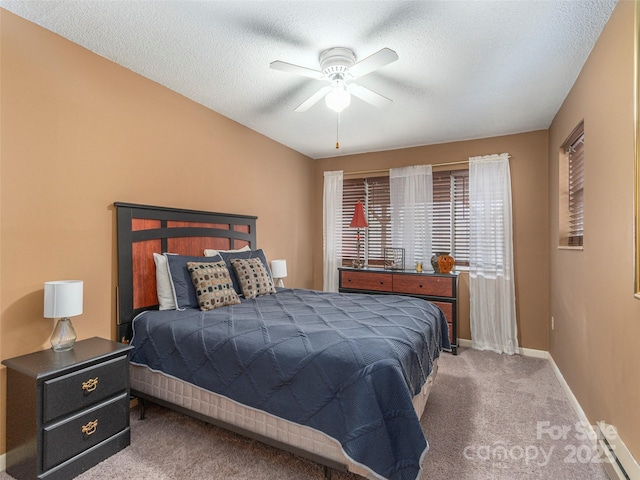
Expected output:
(212, 253)
(166, 299)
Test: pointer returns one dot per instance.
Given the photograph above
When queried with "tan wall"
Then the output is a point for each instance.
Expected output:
(597, 319)
(78, 133)
(529, 189)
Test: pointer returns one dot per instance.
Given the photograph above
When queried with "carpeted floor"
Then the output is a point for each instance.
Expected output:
(489, 416)
(496, 417)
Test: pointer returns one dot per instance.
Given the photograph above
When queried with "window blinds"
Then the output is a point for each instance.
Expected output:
(575, 152)
(450, 229)
(450, 217)
(374, 194)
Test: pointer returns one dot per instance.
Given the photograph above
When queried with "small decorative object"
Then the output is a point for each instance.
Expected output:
(445, 263)
(63, 299)
(358, 221)
(442, 262)
(394, 258)
(434, 263)
(419, 267)
(279, 271)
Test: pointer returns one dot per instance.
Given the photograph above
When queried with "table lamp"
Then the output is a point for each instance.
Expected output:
(358, 221)
(63, 299)
(279, 271)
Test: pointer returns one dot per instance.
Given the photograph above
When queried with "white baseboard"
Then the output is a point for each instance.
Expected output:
(3, 462)
(527, 352)
(532, 352)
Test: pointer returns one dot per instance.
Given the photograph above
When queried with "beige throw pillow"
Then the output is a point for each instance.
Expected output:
(253, 277)
(213, 284)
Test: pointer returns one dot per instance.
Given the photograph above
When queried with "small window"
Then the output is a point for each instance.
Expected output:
(571, 189)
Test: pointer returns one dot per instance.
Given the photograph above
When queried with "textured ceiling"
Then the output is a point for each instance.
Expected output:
(466, 69)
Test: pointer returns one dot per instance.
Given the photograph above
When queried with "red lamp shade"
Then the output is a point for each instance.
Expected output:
(359, 220)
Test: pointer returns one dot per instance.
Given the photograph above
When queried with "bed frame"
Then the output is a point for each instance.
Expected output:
(143, 230)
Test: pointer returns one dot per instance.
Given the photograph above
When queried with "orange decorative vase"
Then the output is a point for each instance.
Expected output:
(445, 262)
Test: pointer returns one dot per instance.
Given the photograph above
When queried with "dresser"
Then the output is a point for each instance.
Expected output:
(438, 288)
(66, 411)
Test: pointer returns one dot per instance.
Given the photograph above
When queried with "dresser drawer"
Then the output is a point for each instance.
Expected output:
(64, 440)
(424, 285)
(447, 309)
(366, 281)
(83, 388)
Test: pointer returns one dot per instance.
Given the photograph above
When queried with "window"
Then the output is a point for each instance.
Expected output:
(571, 190)
(374, 194)
(450, 227)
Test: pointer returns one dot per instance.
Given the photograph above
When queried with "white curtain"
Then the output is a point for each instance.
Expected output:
(411, 191)
(332, 229)
(491, 277)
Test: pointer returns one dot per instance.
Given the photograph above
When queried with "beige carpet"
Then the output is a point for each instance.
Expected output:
(485, 419)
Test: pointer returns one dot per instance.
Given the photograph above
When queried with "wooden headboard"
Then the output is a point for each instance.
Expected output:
(145, 229)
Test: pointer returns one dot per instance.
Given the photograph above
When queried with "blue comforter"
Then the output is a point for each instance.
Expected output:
(345, 364)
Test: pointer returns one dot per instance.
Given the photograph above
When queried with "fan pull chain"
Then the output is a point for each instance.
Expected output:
(338, 131)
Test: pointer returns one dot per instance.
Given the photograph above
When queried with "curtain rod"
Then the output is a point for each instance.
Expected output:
(383, 170)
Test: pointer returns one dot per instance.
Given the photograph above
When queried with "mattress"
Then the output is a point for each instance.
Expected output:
(348, 365)
(284, 433)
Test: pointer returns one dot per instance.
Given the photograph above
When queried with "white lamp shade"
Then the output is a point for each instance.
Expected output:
(63, 298)
(279, 268)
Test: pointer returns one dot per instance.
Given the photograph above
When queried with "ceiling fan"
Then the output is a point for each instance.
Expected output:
(338, 66)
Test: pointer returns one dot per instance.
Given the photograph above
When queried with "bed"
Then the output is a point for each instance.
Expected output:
(341, 379)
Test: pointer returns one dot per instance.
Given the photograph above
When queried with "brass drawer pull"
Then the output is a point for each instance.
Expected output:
(90, 385)
(90, 428)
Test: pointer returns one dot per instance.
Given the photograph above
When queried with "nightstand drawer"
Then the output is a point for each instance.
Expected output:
(423, 285)
(83, 388)
(64, 440)
(366, 281)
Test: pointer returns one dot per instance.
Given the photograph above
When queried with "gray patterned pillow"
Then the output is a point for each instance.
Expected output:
(213, 284)
(253, 277)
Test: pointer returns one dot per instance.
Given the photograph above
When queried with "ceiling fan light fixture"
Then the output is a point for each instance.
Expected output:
(338, 98)
(338, 66)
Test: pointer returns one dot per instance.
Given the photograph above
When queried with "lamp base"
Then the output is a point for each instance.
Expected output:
(63, 336)
(357, 263)
(280, 283)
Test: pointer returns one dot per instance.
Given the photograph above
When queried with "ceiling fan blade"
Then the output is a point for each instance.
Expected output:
(313, 99)
(368, 96)
(373, 62)
(295, 69)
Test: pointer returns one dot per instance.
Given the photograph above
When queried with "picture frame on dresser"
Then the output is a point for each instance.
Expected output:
(440, 289)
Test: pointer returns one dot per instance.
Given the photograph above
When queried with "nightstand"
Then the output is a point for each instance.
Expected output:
(66, 411)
